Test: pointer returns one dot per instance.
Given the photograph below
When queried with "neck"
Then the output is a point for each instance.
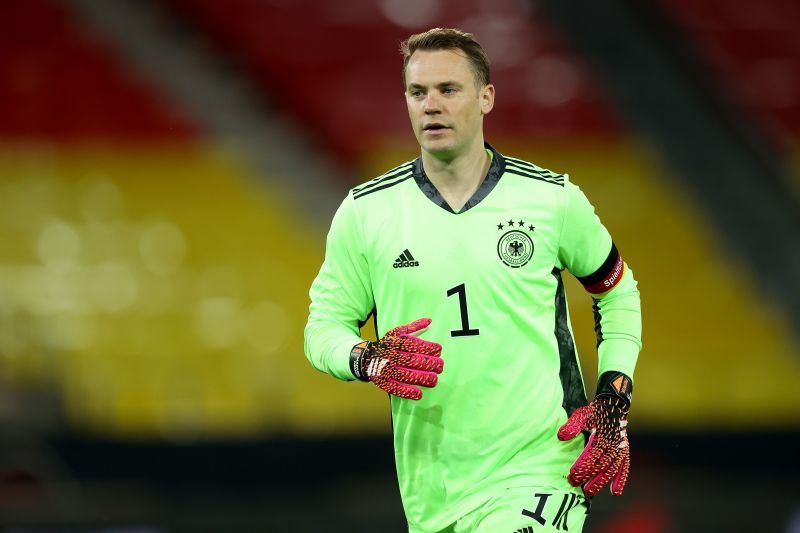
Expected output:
(458, 178)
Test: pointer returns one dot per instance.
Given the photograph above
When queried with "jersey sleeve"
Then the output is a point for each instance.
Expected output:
(341, 296)
(588, 252)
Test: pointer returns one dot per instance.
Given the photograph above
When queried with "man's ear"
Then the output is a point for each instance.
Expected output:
(487, 99)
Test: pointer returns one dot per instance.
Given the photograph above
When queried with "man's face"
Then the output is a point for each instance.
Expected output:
(445, 105)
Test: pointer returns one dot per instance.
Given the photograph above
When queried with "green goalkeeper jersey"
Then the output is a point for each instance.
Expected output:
(490, 278)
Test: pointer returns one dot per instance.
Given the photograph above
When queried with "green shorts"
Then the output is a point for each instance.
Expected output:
(525, 510)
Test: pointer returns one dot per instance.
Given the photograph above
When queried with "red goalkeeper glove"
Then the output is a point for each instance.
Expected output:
(607, 454)
(399, 361)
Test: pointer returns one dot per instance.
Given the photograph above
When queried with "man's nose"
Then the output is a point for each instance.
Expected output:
(431, 104)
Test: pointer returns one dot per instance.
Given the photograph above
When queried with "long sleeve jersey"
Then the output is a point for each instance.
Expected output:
(490, 278)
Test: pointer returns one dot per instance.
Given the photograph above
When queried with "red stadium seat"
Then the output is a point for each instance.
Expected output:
(59, 83)
(337, 70)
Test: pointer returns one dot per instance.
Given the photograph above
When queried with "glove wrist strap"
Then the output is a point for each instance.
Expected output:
(615, 384)
(357, 355)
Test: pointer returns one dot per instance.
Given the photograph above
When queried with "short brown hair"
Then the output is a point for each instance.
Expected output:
(448, 39)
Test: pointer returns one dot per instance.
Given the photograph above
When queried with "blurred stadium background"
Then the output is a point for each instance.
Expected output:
(168, 169)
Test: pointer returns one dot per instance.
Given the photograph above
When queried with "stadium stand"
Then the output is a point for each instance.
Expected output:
(60, 84)
(332, 69)
(153, 284)
(313, 57)
(753, 51)
(132, 234)
(140, 265)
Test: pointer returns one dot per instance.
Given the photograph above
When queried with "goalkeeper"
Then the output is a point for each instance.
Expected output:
(458, 255)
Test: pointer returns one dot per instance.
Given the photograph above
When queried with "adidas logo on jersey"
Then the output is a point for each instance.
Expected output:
(405, 260)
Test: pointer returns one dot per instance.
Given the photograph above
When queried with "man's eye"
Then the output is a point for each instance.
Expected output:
(416, 94)
(449, 90)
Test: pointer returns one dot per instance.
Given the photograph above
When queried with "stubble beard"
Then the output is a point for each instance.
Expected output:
(443, 149)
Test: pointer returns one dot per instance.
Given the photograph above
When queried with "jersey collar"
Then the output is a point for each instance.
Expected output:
(496, 169)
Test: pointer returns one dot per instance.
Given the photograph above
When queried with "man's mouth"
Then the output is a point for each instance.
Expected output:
(435, 127)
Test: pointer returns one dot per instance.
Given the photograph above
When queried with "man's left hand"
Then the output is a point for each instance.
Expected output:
(607, 454)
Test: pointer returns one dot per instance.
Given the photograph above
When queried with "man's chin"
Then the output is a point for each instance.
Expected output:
(440, 149)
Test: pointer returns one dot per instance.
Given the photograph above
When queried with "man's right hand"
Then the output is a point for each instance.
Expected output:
(399, 361)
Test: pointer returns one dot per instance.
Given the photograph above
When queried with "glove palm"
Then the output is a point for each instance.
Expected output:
(399, 361)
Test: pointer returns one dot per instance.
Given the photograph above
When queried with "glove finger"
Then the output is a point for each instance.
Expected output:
(604, 461)
(413, 327)
(412, 377)
(414, 344)
(575, 424)
(395, 388)
(419, 361)
(604, 475)
(585, 466)
(621, 478)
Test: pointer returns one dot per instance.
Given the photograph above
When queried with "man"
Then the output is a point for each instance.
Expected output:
(476, 242)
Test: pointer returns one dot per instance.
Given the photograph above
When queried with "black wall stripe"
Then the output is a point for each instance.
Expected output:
(570, 374)
(356, 196)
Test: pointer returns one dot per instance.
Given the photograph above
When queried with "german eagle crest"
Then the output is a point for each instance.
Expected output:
(515, 247)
